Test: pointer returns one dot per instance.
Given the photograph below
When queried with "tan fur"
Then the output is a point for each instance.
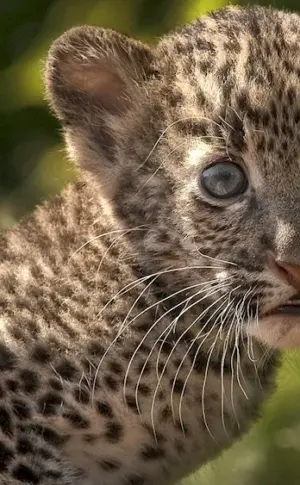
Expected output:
(135, 307)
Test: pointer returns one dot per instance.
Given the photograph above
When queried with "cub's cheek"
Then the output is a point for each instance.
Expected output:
(277, 331)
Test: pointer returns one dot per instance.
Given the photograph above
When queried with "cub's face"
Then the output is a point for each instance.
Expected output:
(195, 145)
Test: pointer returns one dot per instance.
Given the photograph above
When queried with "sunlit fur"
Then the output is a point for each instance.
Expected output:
(136, 339)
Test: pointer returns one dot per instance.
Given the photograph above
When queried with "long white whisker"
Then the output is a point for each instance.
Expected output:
(124, 327)
(174, 347)
(195, 358)
(161, 164)
(224, 317)
(198, 118)
(196, 355)
(99, 236)
(135, 283)
(152, 327)
(167, 330)
(208, 284)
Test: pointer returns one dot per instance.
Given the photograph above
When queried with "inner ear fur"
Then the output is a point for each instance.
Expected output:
(92, 77)
(91, 70)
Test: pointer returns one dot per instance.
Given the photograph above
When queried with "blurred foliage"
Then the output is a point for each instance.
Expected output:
(33, 165)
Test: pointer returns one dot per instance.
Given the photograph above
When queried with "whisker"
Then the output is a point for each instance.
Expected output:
(214, 259)
(120, 331)
(198, 118)
(135, 283)
(195, 358)
(226, 346)
(169, 327)
(99, 236)
(116, 239)
(122, 327)
(152, 327)
(196, 355)
(224, 317)
(161, 164)
(208, 284)
(174, 347)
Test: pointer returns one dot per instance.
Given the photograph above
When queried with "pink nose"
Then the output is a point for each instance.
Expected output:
(290, 273)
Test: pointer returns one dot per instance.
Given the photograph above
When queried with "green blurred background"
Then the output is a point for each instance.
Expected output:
(33, 165)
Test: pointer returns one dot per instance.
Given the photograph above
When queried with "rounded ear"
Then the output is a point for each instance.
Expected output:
(93, 76)
(92, 71)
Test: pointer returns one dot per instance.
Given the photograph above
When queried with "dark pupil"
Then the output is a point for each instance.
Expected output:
(224, 180)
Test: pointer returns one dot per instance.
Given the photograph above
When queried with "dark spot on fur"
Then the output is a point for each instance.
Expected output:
(55, 384)
(6, 455)
(114, 432)
(104, 409)
(81, 395)
(76, 419)
(115, 367)
(5, 421)
(109, 465)
(90, 438)
(12, 385)
(206, 66)
(127, 354)
(151, 453)
(166, 413)
(144, 389)
(41, 354)
(54, 474)
(21, 409)
(29, 380)
(144, 368)
(243, 254)
(158, 436)
(66, 370)
(49, 435)
(111, 383)
(178, 385)
(7, 358)
(25, 474)
(275, 129)
(24, 446)
(134, 480)
(49, 403)
(96, 349)
(131, 403)
(265, 240)
(297, 116)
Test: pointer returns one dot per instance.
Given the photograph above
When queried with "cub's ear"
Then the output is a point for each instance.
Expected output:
(92, 77)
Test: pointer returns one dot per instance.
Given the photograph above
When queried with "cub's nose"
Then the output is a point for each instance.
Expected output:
(290, 273)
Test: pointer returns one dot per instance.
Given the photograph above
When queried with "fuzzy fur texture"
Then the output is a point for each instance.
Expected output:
(128, 302)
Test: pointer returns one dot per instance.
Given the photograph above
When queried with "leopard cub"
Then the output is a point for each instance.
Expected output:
(140, 306)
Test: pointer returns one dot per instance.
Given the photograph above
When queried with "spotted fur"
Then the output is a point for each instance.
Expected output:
(125, 355)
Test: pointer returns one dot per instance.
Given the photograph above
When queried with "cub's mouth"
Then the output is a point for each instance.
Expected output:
(280, 328)
(291, 307)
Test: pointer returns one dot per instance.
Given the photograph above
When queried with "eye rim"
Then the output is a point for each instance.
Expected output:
(226, 199)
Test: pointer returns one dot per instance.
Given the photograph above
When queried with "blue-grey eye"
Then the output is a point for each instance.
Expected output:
(224, 180)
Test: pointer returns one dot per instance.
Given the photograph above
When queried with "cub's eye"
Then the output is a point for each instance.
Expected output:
(224, 180)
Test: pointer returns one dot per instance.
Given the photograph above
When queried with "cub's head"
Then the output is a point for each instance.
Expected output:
(196, 141)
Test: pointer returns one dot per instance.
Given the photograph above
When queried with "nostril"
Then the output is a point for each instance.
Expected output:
(287, 272)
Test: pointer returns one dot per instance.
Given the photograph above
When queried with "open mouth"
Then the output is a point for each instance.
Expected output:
(280, 329)
(291, 307)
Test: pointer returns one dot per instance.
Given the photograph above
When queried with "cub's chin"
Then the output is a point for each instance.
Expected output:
(279, 329)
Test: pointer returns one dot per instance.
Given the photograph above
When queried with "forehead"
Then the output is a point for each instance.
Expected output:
(236, 75)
